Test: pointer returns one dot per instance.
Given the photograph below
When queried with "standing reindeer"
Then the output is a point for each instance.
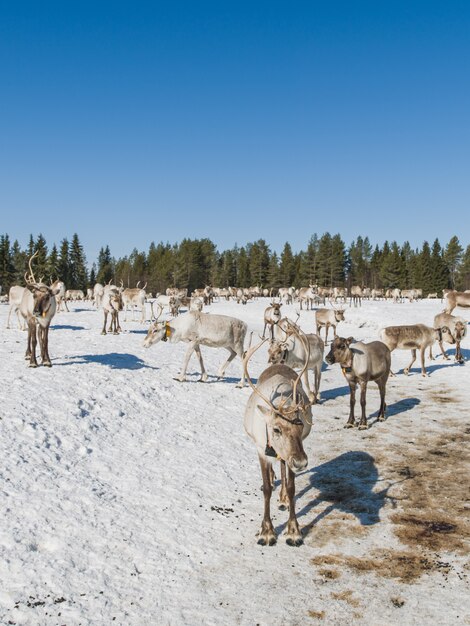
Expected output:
(38, 307)
(278, 417)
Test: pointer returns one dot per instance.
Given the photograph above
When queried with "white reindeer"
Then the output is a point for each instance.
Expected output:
(201, 329)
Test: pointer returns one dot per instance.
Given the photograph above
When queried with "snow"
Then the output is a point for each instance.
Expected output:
(131, 498)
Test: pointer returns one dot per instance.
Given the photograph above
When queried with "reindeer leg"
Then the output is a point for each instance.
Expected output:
(34, 339)
(283, 497)
(317, 382)
(327, 326)
(352, 401)
(363, 422)
(266, 535)
(294, 536)
(46, 360)
(197, 350)
(381, 384)
(41, 341)
(224, 366)
(441, 345)
(115, 323)
(413, 359)
(423, 362)
(182, 377)
(103, 332)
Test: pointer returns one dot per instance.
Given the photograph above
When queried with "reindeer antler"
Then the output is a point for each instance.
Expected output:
(29, 278)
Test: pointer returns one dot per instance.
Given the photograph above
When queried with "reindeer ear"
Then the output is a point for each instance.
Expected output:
(350, 340)
(265, 412)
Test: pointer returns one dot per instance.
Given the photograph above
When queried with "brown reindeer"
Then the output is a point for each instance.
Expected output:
(38, 307)
(278, 417)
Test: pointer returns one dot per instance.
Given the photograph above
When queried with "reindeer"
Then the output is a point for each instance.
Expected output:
(356, 295)
(201, 329)
(414, 337)
(327, 318)
(38, 307)
(455, 299)
(112, 303)
(278, 417)
(307, 295)
(15, 296)
(98, 295)
(60, 297)
(291, 351)
(272, 315)
(452, 328)
(135, 298)
(360, 363)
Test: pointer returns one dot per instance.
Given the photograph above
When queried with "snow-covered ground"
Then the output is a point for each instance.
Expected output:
(133, 499)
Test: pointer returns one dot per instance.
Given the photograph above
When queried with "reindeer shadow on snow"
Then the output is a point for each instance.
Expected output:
(114, 360)
(347, 484)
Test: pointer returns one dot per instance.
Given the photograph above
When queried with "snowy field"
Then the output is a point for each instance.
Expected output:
(130, 498)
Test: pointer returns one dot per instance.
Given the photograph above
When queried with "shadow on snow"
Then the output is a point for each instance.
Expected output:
(114, 360)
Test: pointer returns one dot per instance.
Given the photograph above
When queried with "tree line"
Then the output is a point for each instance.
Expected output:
(192, 263)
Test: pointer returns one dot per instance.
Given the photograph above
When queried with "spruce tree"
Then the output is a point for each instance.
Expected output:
(463, 277)
(452, 257)
(40, 260)
(287, 266)
(78, 277)
(439, 270)
(52, 265)
(7, 270)
(64, 263)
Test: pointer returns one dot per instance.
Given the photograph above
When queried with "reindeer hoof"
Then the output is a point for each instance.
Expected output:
(33, 365)
(362, 426)
(103, 332)
(406, 371)
(381, 418)
(47, 364)
(294, 540)
(267, 540)
(349, 425)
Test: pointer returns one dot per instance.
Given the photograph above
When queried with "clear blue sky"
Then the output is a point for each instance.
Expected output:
(137, 121)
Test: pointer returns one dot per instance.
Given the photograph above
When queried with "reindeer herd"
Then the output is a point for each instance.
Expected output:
(278, 414)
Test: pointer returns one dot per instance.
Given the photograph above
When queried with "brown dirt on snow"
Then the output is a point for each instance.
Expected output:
(432, 498)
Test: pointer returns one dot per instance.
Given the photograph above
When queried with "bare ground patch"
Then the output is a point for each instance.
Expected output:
(430, 490)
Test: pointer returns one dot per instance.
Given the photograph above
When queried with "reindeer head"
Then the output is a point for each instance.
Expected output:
(339, 315)
(158, 331)
(277, 352)
(445, 334)
(285, 426)
(43, 296)
(340, 352)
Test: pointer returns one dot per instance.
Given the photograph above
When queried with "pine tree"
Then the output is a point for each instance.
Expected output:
(324, 260)
(52, 265)
(243, 270)
(78, 276)
(64, 263)
(7, 270)
(439, 270)
(287, 266)
(337, 261)
(40, 260)
(259, 262)
(18, 258)
(452, 256)
(463, 277)
(105, 266)
(92, 278)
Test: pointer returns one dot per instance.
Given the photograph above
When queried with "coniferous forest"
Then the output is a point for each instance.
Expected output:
(325, 261)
